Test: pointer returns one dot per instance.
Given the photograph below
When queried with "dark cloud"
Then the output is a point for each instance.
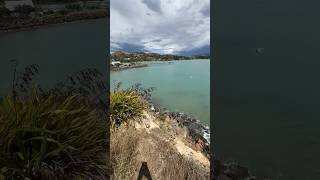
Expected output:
(154, 5)
(182, 26)
(156, 40)
(128, 47)
(206, 11)
(205, 50)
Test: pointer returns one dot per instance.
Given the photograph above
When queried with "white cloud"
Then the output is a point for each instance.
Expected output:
(163, 26)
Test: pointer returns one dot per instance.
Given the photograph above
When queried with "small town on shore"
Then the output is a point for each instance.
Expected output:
(21, 14)
(125, 60)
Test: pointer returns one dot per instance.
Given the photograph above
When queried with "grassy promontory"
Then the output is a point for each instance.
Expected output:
(141, 133)
(164, 141)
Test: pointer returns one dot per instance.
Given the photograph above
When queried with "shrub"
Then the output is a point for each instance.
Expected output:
(76, 7)
(161, 116)
(24, 9)
(63, 11)
(45, 138)
(93, 7)
(125, 105)
(48, 12)
(144, 93)
(4, 12)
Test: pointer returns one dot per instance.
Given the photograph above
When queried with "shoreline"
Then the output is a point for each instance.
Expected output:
(132, 66)
(140, 64)
(46, 26)
(197, 135)
(197, 131)
(55, 19)
(196, 140)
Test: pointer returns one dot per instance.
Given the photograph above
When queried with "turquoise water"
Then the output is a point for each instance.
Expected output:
(182, 86)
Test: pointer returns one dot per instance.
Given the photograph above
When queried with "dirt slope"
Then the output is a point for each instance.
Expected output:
(165, 151)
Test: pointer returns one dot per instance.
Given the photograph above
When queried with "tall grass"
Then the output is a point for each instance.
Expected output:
(124, 106)
(51, 139)
(59, 133)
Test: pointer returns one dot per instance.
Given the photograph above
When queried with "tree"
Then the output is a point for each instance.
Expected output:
(4, 11)
(24, 9)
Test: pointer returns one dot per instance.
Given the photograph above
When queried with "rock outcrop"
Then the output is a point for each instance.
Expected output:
(229, 171)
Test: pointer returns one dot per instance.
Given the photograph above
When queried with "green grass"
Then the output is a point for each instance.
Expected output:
(124, 106)
(45, 137)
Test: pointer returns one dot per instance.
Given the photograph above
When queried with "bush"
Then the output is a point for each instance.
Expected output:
(24, 9)
(63, 11)
(42, 137)
(49, 12)
(76, 7)
(93, 7)
(4, 12)
(125, 105)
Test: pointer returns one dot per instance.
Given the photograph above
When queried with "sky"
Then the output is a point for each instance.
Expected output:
(160, 26)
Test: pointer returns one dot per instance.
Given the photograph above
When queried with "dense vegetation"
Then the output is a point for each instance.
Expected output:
(59, 133)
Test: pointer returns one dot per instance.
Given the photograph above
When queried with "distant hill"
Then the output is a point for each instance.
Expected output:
(142, 56)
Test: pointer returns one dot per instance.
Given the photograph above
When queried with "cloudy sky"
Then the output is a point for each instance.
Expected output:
(161, 26)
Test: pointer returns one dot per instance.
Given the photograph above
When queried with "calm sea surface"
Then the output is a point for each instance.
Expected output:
(267, 106)
(60, 50)
(182, 86)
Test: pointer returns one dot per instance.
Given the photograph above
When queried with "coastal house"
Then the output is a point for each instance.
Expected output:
(11, 5)
(114, 63)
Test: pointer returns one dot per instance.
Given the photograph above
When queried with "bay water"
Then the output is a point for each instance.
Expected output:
(180, 86)
(60, 50)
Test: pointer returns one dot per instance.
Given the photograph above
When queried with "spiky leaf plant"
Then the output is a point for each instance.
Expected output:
(125, 105)
(44, 137)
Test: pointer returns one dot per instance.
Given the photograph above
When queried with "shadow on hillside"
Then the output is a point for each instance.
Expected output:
(144, 172)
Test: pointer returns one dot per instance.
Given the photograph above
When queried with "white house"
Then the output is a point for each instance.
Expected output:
(11, 5)
(113, 63)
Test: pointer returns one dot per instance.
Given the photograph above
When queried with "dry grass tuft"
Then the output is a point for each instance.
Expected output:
(123, 153)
